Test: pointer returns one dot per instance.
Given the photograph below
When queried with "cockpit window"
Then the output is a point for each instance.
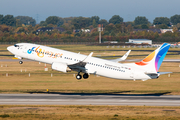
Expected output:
(16, 45)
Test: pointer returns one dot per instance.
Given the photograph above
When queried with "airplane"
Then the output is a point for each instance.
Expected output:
(66, 61)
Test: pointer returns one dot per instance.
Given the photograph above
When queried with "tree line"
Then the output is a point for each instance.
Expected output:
(24, 29)
(83, 22)
(140, 22)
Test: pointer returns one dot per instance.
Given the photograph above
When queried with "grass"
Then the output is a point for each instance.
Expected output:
(69, 112)
(18, 79)
(40, 80)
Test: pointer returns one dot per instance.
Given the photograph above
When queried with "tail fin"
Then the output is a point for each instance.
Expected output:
(153, 61)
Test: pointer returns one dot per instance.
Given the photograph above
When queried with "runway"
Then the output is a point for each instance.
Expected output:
(89, 99)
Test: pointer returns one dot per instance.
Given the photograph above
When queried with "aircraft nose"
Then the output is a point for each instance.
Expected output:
(9, 48)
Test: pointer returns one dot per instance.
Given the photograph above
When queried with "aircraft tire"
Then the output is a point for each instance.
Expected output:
(20, 62)
(78, 76)
(85, 76)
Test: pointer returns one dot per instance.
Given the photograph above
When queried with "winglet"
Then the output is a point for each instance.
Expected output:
(87, 58)
(122, 58)
(125, 55)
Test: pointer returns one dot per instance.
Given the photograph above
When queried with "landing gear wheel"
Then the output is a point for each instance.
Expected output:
(20, 62)
(78, 76)
(85, 76)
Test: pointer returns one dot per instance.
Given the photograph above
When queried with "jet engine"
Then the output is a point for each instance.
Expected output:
(62, 67)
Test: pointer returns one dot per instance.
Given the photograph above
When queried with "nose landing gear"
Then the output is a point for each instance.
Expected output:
(20, 62)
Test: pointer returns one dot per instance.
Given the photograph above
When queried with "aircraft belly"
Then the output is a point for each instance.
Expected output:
(114, 74)
(140, 76)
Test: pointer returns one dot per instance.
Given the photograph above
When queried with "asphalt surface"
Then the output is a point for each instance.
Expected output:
(89, 99)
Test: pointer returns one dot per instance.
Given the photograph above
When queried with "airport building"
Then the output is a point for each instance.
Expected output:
(140, 41)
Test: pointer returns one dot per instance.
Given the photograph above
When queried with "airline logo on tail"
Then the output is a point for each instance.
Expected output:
(157, 57)
(161, 54)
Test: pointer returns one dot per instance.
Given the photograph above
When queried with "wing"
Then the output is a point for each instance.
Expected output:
(80, 66)
(122, 58)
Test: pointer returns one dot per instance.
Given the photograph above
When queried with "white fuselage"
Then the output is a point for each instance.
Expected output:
(94, 65)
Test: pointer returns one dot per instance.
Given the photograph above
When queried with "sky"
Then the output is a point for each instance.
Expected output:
(105, 9)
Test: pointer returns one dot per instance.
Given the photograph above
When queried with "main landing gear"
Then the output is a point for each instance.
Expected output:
(20, 62)
(85, 76)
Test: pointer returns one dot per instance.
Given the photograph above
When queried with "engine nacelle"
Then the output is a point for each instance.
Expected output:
(61, 67)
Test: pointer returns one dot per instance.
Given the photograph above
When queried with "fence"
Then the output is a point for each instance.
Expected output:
(144, 46)
(118, 45)
(7, 74)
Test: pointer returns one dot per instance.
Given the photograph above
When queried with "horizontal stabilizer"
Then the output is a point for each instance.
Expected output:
(158, 73)
(161, 73)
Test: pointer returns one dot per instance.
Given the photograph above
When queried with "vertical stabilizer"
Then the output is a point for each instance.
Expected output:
(153, 61)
